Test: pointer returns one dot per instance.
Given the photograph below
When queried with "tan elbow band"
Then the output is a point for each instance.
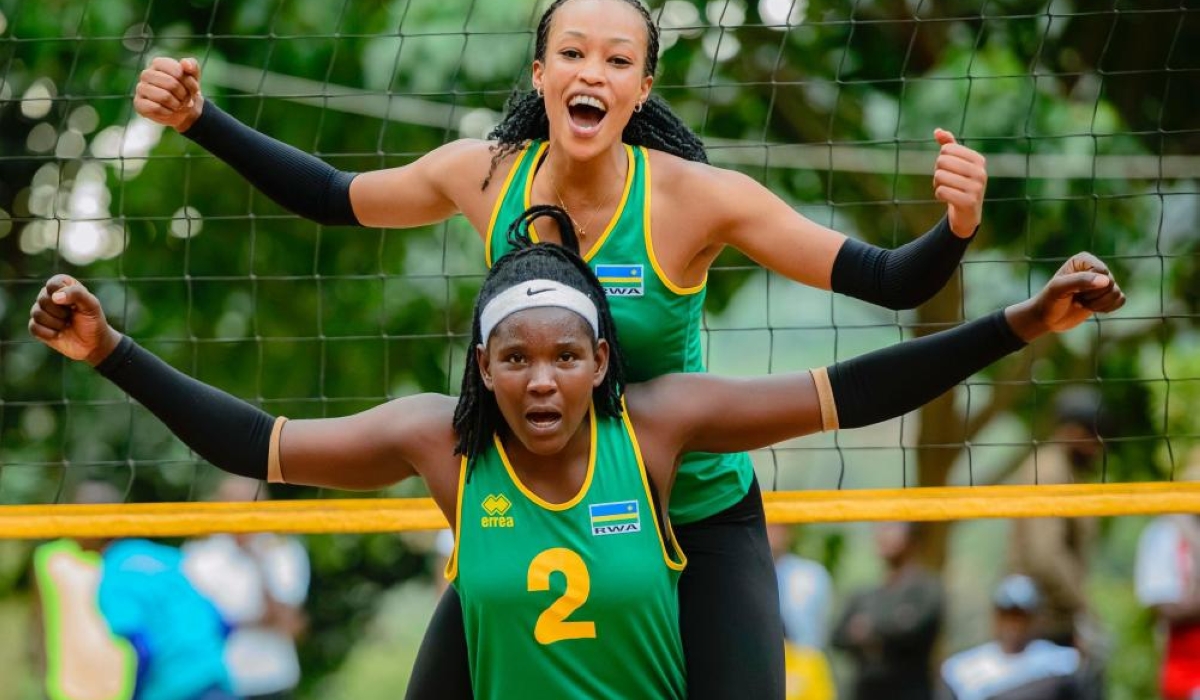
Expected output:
(274, 467)
(829, 416)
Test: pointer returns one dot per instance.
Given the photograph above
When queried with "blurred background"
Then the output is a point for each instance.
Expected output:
(1087, 112)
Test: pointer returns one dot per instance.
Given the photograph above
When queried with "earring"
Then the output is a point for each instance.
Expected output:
(539, 92)
(638, 107)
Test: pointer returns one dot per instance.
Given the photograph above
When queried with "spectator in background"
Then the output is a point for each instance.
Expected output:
(176, 634)
(1167, 580)
(890, 631)
(1016, 665)
(805, 592)
(259, 583)
(1054, 552)
(78, 655)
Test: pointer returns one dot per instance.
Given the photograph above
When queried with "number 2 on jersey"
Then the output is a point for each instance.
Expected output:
(552, 625)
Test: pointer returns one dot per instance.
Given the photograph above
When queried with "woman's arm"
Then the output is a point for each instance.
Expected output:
(743, 414)
(364, 451)
(760, 224)
(420, 193)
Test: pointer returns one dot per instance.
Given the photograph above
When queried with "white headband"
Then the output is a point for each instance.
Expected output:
(536, 294)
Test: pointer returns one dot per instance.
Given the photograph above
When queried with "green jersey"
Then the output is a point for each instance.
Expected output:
(658, 321)
(568, 600)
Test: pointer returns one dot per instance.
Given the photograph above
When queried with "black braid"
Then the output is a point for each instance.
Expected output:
(658, 127)
(518, 232)
(655, 126)
(477, 416)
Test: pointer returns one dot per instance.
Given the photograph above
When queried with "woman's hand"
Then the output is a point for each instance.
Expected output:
(168, 92)
(959, 180)
(68, 318)
(1081, 287)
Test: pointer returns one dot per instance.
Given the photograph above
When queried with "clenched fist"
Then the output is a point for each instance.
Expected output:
(68, 318)
(168, 92)
(960, 181)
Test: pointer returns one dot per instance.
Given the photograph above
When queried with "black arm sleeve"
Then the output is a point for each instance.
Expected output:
(895, 380)
(226, 431)
(903, 278)
(295, 180)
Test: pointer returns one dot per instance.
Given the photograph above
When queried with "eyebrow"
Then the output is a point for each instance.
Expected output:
(521, 345)
(575, 33)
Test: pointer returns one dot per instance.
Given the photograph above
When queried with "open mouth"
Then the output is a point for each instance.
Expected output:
(586, 112)
(543, 420)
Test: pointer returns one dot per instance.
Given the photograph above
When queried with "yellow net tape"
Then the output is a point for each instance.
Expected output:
(397, 514)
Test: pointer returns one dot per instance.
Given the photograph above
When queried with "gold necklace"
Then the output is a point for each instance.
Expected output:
(580, 230)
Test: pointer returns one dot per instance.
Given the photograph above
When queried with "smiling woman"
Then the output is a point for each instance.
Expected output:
(594, 63)
(651, 216)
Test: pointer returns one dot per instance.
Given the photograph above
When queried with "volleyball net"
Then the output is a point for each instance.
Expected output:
(1086, 117)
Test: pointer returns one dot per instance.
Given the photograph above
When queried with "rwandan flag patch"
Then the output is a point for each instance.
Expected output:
(615, 518)
(622, 280)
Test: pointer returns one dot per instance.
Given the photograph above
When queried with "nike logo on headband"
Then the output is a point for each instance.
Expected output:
(531, 291)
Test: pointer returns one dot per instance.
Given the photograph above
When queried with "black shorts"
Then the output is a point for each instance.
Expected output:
(728, 616)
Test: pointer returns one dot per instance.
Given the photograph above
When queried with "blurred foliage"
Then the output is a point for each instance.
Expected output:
(312, 321)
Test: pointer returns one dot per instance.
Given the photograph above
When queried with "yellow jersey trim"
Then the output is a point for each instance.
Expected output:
(681, 562)
(630, 168)
(662, 276)
(527, 192)
(587, 479)
(491, 229)
(452, 563)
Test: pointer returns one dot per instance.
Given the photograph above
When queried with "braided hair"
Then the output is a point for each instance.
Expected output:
(655, 126)
(477, 415)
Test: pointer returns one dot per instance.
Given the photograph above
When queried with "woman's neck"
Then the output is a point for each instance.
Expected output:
(556, 477)
(584, 183)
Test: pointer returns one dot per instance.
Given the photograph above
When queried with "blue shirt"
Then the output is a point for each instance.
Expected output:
(805, 590)
(178, 634)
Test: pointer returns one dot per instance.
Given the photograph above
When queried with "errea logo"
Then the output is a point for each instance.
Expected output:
(496, 506)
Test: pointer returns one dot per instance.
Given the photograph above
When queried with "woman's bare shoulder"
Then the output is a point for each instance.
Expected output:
(474, 161)
(671, 165)
(672, 172)
(462, 153)
(701, 192)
